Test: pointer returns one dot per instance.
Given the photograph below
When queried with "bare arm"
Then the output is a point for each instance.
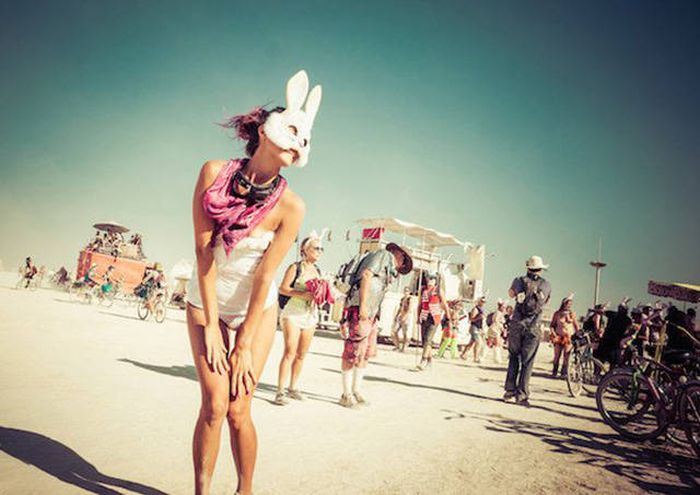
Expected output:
(203, 230)
(285, 234)
(286, 288)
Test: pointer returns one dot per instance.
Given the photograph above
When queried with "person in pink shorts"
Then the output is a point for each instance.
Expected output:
(369, 283)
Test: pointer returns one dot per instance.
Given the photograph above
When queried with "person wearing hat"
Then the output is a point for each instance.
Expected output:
(563, 327)
(531, 292)
(369, 284)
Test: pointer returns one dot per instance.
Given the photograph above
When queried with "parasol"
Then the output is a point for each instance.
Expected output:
(111, 227)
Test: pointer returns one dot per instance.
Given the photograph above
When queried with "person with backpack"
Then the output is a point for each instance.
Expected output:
(368, 283)
(298, 317)
(531, 292)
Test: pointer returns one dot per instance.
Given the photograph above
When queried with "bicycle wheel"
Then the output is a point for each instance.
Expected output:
(626, 403)
(592, 371)
(142, 309)
(689, 415)
(574, 375)
(108, 299)
(159, 310)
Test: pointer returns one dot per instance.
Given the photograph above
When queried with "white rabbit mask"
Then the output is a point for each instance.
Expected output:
(280, 126)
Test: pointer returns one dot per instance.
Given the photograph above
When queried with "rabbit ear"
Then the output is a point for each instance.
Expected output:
(297, 88)
(312, 104)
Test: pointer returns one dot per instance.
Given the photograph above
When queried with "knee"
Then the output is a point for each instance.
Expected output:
(213, 411)
(300, 355)
(289, 353)
(238, 414)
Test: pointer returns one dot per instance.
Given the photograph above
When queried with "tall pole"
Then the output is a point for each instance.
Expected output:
(598, 265)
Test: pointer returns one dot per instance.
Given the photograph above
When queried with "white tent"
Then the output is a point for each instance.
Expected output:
(183, 270)
(429, 238)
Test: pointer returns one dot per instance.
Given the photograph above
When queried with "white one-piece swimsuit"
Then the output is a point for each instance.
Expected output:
(234, 279)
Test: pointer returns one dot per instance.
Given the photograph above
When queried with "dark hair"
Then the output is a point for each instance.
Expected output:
(246, 126)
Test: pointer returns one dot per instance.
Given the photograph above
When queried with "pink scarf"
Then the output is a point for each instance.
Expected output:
(235, 218)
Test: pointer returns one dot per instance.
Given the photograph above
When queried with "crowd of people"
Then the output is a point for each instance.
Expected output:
(114, 244)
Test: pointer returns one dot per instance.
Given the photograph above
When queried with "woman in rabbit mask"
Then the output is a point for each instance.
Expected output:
(245, 221)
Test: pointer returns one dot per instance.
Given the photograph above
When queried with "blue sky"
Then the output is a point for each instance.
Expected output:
(531, 127)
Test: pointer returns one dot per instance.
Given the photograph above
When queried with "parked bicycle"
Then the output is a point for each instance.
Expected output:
(584, 371)
(652, 398)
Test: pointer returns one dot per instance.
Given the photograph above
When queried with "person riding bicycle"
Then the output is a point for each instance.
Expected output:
(108, 280)
(29, 270)
(153, 284)
(90, 277)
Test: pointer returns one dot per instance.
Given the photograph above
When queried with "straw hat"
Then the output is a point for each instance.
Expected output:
(535, 263)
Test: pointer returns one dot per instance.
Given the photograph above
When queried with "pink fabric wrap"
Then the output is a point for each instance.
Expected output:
(235, 218)
(320, 290)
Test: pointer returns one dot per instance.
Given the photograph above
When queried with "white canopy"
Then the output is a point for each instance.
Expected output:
(429, 237)
(182, 270)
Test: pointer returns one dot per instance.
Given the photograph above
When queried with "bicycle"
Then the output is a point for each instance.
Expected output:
(651, 398)
(157, 307)
(584, 371)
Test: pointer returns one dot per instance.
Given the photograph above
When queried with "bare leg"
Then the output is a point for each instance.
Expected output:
(215, 389)
(302, 349)
(557, 356)
(244, 439)
(291, 342)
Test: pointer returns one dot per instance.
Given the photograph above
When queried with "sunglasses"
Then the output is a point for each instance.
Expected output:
(318, 249)
(241, 187)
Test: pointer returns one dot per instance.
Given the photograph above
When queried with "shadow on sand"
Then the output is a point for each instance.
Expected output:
(533, 404)
(64, 463)
(638, 463)
(189, 372)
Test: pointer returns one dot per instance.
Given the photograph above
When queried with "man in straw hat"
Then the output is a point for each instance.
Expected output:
(531, 293)
(369, 284)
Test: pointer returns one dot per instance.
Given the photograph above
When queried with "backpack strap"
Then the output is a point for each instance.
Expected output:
(297, 274)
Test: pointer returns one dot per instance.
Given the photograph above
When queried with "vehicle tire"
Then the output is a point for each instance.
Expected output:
(574, 375)
(689, 415)
(626, 403)
(142, 309)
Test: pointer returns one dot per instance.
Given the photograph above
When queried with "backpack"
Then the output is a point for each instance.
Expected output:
(490, 318)
(282, 299)
(531, 305)
(346, 278)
